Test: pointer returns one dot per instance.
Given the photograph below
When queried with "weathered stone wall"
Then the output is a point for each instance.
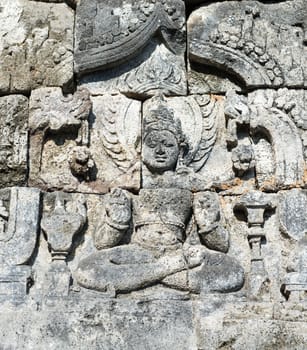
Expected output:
(153, 188)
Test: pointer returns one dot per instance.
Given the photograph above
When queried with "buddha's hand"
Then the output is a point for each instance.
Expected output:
(194, 255)
(206, 211)
(118, 207)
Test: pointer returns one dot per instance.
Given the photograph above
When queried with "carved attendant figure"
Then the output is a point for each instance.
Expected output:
(169, 245)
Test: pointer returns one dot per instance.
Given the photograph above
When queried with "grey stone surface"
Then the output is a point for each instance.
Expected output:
(200, 126)
(167, 247)
(69, 2)
(127, 27)
(262, 126)
(83, 143)
(64, 217)
(18, 239)
(154, 215)
(36, 46)
(295, 283)
(260, 44)
(254, 205)
(144, 40)
(14, 115)
(121, 325)
(292, 204)
(156, 68)
(20, 219)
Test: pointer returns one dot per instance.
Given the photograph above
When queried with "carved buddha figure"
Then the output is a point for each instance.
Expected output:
(177, 241)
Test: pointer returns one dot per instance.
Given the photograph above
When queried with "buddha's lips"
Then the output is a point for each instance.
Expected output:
(160, 159)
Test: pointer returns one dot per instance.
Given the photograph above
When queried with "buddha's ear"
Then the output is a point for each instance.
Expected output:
(183, 158)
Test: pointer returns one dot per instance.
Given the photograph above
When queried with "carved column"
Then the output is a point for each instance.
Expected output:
(254, 205)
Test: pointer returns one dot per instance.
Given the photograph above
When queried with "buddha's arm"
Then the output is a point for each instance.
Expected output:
(115, 220)
(211, 232)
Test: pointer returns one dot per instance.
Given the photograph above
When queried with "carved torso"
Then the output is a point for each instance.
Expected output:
(160, 218)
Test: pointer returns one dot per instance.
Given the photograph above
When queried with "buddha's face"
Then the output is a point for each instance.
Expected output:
(160, 151)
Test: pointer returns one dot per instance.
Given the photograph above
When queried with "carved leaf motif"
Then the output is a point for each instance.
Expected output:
(158, 73)
(51, 110)
(210, 116)
(115, 145)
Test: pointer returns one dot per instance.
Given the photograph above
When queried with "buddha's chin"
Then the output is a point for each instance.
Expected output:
(158, 168)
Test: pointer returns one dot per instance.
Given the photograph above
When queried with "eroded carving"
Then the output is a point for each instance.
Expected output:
(292, 205)
(294, 286)
(18, 238)
(255, 204)
(14, 139)
(83, 143)
(263, 136)
(36, 47)
(154, 69)
(195, 128)
(166, 247)
(58, 120)
(245, 40)
(64, 217)
(127, 28)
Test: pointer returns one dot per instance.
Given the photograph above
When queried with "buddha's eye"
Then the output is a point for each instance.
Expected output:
(151, 143)
(168, 144)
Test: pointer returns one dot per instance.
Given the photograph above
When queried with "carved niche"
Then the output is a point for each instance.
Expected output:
(165, 235)
(83, 143)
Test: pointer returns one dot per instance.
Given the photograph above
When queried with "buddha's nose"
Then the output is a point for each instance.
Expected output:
(160, 149)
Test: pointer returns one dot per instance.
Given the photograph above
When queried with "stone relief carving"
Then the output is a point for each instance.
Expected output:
(166, 247)
(64, 217)
(145, 40)
(293, 203)
(294, 286)
(14, 139)
(76, 143)
(36, 47)
(254, 204)
(293, 225)
(264, 137)
(251, 42)
(165, 198)
(64, 124)
(127, 28)
(196, 128)
(154, 69)
(18, 238)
